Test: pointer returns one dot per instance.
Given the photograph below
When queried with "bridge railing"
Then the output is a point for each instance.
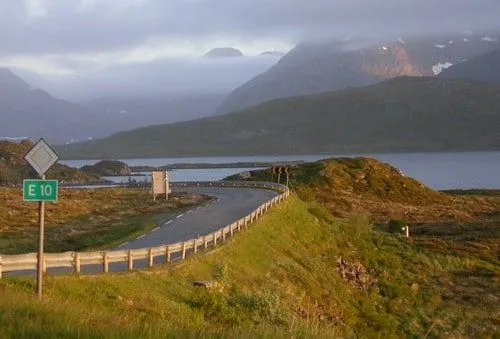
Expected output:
(167, 252)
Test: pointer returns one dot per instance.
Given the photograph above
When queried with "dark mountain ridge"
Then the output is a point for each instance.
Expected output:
(485, 67)
(402, 114)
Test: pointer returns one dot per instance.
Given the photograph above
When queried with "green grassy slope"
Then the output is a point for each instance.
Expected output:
(403, 114)
(347, 185)
(278, 279)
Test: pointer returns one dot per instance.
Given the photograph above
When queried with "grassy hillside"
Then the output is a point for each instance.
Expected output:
(345, 186)
(279, 279)
(13, 167)
(298, 272)
(404, 114)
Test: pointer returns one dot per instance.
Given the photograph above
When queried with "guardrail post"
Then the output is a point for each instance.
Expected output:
(0, 267)
(130, 261)
(238, 225)
(183, 250)
(167, 254)
(223, 234)
(215, 239)
(246, 222)
(105, 262)
(76, 263)
(205, 242)
(150, 257)
(44, 265)
(195, 246)
(231, 229)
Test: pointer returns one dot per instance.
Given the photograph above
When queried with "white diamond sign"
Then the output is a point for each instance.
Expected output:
(41, 157)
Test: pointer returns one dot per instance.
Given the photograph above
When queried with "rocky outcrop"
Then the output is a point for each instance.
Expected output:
(107, 168)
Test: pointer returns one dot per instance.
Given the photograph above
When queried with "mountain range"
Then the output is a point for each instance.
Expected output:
(28, 112)
(401, 114)
(312, 68)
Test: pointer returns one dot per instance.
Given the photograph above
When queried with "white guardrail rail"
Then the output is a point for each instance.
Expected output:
(169, 252)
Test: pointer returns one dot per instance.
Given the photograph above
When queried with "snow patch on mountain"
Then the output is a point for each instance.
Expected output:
(438, 68)
(440, 46)
(488, 39)
(402, 41)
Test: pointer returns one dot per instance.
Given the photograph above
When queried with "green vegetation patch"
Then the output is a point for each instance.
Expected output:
(291, 274)
(362, 185)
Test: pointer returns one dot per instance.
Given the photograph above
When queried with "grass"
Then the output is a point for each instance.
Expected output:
(362, 185)
(84, 219)
(277, 279)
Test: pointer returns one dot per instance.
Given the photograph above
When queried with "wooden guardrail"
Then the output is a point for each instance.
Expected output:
(176, 251)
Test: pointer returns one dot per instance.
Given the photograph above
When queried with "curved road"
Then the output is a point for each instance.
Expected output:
(230, 204)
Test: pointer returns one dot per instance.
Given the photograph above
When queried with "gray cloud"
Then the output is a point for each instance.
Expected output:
(96, 37)
(112, 25)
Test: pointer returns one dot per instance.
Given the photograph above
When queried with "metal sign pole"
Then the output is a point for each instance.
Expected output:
(39, 264)
(41, 157)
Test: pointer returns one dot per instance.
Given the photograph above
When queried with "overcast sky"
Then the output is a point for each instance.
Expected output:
(67, 36)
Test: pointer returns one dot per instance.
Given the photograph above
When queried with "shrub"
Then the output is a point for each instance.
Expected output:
(395, 226)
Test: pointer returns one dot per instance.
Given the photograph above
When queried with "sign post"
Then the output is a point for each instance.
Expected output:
(160, 183)
(41, 157)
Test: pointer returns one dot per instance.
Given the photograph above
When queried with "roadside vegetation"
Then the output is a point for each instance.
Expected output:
(84, 219)
(280, 278)
(315, 266)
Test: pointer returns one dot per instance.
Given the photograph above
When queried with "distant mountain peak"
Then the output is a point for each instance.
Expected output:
(223, 52)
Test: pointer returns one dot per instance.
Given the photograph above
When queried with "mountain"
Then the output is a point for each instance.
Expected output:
(118, 114)
(30, 112)
(485, 67)
(223, 52)
(402, 114)
(313, 68)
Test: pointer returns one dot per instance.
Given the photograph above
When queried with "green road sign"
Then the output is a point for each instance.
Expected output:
(40, 190)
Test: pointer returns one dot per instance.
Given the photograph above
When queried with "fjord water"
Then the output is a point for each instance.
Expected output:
(440, 170)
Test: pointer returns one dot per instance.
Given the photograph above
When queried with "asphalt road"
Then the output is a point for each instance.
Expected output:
(230, 204)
